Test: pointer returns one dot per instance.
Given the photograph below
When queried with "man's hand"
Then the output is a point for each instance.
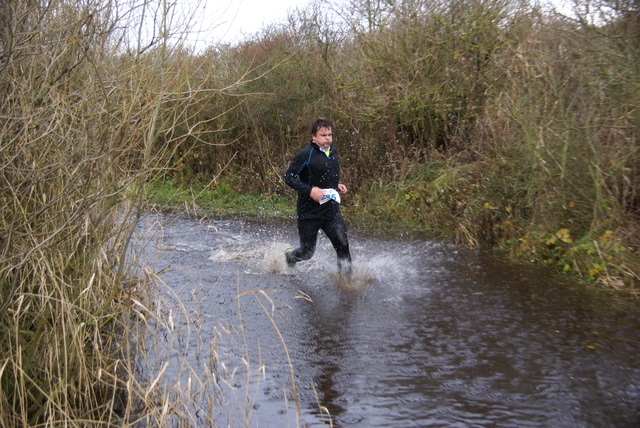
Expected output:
(316, 194)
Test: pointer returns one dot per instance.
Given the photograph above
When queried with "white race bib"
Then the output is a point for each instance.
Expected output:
(328, 195)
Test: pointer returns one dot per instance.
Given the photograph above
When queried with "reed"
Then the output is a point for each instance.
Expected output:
(85, 118)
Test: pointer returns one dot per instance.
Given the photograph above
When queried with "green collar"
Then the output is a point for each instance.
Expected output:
(326, 152)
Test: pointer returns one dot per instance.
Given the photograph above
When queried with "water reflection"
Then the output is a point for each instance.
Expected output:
(440, 337)
(329, 351)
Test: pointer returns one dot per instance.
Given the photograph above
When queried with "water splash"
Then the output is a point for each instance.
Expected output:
(366, 270)
(261, 259)
(386, 267)
(355, 279)
(273, 260)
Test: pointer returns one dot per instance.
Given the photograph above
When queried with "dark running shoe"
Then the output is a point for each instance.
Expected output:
(290, 263)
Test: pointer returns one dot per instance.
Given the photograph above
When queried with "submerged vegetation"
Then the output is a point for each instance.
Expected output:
(488, 122)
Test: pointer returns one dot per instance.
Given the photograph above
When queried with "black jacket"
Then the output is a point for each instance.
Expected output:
(311, 167)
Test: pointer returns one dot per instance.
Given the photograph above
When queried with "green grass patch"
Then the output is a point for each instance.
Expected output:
(217, 199)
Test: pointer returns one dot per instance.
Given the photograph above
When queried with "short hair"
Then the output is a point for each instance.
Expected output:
(320, 123)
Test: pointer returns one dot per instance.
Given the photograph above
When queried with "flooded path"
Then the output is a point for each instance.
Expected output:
(429, 335)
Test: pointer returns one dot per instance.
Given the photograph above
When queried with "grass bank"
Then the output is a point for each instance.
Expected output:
(219, 199)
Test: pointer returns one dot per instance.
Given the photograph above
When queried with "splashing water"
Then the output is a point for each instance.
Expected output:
(358, 278)
(269, 258)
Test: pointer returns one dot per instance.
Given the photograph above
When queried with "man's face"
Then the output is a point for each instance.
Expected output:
(323, 137)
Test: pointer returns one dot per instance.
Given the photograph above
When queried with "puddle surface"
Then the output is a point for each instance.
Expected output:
(425, 335)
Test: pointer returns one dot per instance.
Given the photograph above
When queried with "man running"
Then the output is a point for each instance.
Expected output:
(315, 174)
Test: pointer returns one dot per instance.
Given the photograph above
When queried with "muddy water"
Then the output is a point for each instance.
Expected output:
(425, 334)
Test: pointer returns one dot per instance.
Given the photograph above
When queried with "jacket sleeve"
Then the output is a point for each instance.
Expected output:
(292, 176)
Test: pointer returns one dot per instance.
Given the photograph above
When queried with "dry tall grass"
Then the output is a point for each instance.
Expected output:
(88, 112)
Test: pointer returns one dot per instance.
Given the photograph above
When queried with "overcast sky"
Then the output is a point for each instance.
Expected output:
(231, 19)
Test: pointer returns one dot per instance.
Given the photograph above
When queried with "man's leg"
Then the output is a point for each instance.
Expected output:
(308, 232)
(336, 231)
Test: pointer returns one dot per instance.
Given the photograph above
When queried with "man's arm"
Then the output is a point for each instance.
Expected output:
(292, 176)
